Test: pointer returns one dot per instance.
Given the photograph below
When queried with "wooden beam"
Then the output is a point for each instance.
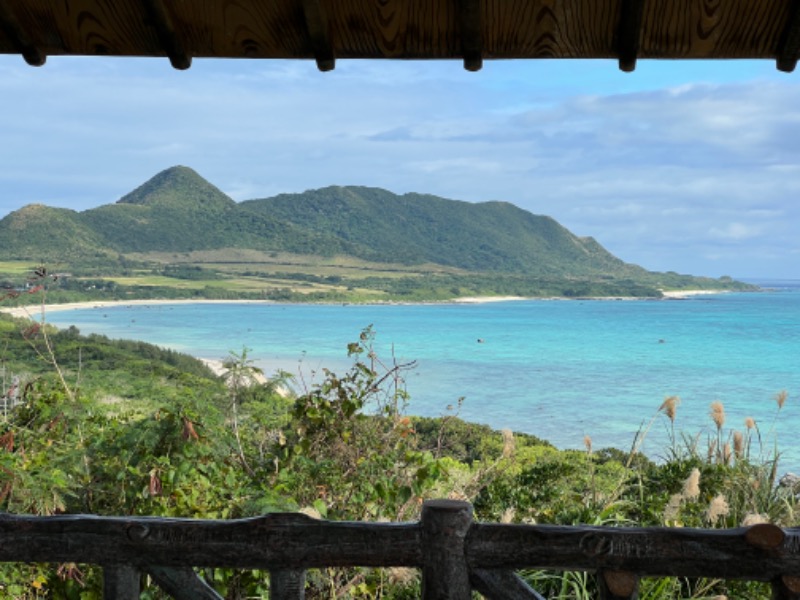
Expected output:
(646, 552)
(628, 33)
(320, 33)
(10, 25)
(274, 541)
(471, 34)
(789, 47)
(167, 36)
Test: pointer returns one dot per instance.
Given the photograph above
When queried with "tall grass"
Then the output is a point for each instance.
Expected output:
(717, 477)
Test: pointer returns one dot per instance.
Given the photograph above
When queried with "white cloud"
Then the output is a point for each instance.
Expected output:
(735, 231)
(659, 166)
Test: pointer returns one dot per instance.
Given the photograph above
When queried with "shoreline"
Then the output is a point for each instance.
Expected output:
(32, 310)
(35, 309)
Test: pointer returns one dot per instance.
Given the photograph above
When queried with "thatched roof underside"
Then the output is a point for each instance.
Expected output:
(470, 30)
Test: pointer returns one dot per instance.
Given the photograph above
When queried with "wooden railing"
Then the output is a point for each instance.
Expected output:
(454, 553)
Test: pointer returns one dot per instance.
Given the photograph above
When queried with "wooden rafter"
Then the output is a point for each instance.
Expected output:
(468, 30)
(10, 25)
(628, 33)
(167, 36)
(471, 34)
(789, 49)
(320, 33)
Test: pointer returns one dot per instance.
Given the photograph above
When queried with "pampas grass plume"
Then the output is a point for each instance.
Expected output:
(670, 406)
(781, 397)
(718, 413)
(717, 508)
(509, 445)
(754, 519)
(738, 444)
(750, 422)
(726, 453)
(691, 487)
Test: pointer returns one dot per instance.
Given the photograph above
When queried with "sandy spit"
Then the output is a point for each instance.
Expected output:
(679, 294)
(34, 310)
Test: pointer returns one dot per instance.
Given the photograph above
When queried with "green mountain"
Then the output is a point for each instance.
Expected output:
(417, 228)
(179, 211)
(400, 245)
(175, 210)
(44, 234)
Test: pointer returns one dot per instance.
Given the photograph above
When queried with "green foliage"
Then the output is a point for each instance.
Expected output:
(355, 445)
(184, 443)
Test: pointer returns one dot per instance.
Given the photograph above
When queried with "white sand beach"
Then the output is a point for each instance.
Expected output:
(680, 294)
(34, 310)
(484, 299)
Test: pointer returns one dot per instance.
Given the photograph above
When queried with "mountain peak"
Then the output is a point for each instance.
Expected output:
(178, 186)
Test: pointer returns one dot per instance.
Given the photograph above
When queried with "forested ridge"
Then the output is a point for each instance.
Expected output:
(331, 244)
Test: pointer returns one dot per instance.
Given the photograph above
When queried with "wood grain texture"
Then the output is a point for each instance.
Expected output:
(713, 28)
(160, 17)
(453, 552)
(319, 32)
(16, 37)
(651, 552)
(274, 541)
(445, 524)
(402, 29)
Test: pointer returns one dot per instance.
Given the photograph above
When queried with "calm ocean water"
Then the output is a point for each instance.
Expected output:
(556, 369)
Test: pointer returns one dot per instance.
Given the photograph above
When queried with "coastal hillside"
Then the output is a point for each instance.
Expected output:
(419, 228)
(350, 243)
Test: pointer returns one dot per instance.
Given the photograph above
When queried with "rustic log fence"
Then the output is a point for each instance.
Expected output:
(455, 554)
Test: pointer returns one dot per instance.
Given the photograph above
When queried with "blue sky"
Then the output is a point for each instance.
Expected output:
(688, 166)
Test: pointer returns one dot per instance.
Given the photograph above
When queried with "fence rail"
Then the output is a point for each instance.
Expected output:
(455, 554)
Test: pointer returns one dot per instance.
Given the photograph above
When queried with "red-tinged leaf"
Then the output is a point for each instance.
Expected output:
(5, 491)
(188, 430)
(155, 486)
(31, 331)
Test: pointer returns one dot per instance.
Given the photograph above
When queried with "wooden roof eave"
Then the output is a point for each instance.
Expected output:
(470, 30)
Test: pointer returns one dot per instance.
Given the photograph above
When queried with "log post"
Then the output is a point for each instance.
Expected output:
(617, 585)
(121, 582)
(445, 575)
(786, 587)
(286, 584)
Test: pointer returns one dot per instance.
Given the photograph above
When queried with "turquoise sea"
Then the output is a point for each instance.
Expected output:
(557, 369)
